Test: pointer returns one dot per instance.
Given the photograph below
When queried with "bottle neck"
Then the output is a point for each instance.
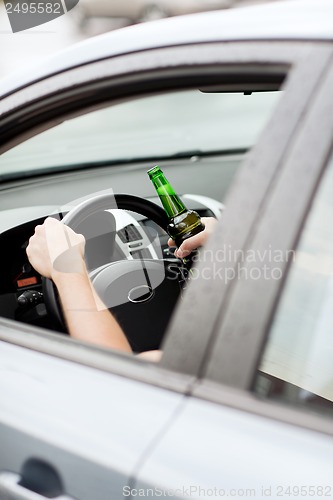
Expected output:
(170, 200)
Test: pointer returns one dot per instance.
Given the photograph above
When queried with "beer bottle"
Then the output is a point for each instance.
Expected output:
(183, 223)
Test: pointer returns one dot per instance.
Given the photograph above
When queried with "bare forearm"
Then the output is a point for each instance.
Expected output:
(86, 316)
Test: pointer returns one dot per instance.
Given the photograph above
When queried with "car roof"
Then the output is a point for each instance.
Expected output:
(284, 20)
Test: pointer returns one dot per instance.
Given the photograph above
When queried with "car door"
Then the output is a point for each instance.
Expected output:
(91, 418)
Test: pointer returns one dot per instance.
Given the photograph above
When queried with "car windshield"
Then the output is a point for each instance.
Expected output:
(182, 123)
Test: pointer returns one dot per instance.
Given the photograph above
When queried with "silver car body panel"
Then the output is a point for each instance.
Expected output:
(91, 416)
(248, 456)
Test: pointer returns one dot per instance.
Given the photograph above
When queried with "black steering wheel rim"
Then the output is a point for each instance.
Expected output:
(113, 201)
(85, 209)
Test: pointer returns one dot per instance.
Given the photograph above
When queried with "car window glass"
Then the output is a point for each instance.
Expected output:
(166, 125)
(297, 361)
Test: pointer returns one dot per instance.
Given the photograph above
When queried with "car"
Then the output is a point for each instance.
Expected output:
(236, 107)
(145, 10)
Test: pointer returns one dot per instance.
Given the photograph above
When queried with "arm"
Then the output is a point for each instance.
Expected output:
(87, 318)
(57, 252)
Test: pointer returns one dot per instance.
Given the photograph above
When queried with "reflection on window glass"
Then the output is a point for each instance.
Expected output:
(297, 364)
(157, 126)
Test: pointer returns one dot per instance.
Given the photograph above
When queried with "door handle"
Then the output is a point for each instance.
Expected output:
(10, 489)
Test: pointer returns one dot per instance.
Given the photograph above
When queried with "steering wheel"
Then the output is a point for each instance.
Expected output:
(141, 292)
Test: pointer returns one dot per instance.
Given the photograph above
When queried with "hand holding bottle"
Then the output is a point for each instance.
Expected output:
(196, 241)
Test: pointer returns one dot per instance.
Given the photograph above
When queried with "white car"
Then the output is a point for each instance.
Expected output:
(236, 107)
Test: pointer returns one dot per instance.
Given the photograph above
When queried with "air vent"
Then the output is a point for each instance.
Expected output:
(129, 233)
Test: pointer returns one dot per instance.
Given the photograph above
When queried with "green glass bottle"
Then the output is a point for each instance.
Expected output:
(183, 223)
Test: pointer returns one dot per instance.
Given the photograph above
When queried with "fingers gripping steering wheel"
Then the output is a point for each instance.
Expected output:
(141, 293)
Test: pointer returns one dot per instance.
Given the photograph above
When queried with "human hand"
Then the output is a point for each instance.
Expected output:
(56, 248)
(196, 241)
